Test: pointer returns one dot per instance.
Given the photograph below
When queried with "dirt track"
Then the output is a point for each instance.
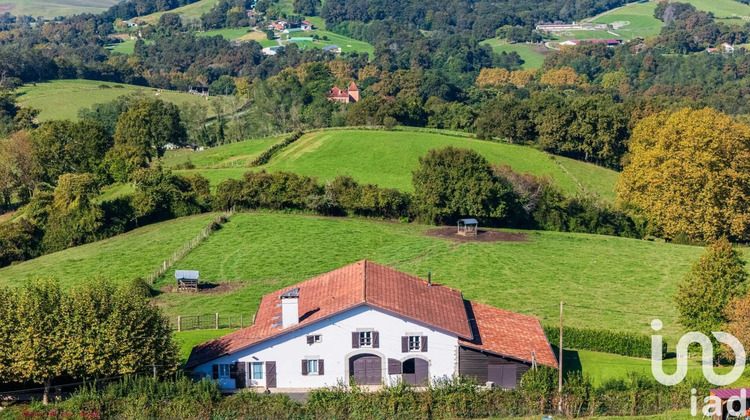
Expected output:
(482, 236)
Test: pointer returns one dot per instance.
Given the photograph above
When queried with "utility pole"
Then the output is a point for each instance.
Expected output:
(560, 363)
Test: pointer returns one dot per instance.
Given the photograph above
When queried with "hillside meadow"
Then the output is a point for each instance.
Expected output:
(188, 13)
(53, 8)
(532, 54)
(61, 99)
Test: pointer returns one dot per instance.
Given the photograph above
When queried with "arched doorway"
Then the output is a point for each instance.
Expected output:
(366, 369)
(415, 371)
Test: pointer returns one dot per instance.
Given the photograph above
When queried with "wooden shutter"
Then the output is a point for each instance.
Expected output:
(215, 371)
(394, 367)
(424, 343)
(404, 344)
(241, 375)
(375, 339)
(304, 367)
(270, 374)
(320, 367)
(310, 339)
(233, 371)
(355, 340)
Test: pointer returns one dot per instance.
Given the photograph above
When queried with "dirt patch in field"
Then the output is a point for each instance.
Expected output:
(482, 236)
(6, 7)
(207, 287)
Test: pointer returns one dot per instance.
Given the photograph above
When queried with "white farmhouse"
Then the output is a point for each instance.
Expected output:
(374, 325)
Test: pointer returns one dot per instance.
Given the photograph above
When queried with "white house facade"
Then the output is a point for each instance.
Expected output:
(372, 325)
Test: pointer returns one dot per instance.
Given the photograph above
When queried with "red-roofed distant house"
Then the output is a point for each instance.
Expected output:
(376, 325)
(306, 26)
(351, 94)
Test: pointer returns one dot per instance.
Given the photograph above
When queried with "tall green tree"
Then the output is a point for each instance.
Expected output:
(148, 126)
(74, 218)
(451, 182)
(713, 281)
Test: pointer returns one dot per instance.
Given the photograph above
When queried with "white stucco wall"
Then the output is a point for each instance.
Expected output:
(336, 348)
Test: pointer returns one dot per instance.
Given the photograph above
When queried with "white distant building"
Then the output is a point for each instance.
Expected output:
(728, 48)
(378, 326)
(270, 50)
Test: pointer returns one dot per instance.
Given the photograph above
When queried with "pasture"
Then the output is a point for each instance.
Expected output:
(606, 282)
(53, 8)
(633, 20)
(532, 54)
(241, 153)
(188, 13)
(61, 99)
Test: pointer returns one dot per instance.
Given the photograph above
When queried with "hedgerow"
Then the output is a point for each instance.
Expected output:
(615, 342)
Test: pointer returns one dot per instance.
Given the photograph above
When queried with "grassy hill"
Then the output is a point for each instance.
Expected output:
(190, 12)
(387, 158)
(532, 54)
(54, 8)
(606, 282)
(61, 99)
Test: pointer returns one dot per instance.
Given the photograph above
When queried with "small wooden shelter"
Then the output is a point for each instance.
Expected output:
(187, 280)
(468, 227)
(732, 398)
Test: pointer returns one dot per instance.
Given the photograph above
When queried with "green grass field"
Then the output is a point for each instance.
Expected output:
(121, 258)
(607, 282)
(187, 339)
(347, 44)
(633, 20)
(241, 153)
(227, 33)
(190, 12)
(61, 99)
(532, 54)
(126, 47)
(387, 158)
(54, 8)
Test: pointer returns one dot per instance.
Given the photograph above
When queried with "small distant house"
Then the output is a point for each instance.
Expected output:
(171, 146)
(270, 50)
(468, 227)
(131, 24)
(198, 90)
(344, 96)
(306, 26)
(712, 50)
(728, 48)
(187, 280)
(332, 48)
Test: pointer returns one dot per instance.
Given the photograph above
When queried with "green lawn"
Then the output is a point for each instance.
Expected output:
(532, 54)
(54, 8)
(188, 339)
(192, 11)
(606, 282)
(592, 177)
(241, 153)
(227, 33)
(126, 47)
(61, 99)
(347, 44)
(121, 258)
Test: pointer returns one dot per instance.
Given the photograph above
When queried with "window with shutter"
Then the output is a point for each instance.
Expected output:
(404, 344)
(215, 371)
(320, 367)
(424, 343)
(355, 340)
(310, 339)
(375, 339)
(304, 367)
(394, 367)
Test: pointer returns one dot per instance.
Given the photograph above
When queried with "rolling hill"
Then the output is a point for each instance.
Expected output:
(53, 8)
(387, 158)
(61, 99)
(606, 282)
(190, 12)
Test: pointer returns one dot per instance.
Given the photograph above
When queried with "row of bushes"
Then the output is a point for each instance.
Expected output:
(615, 342)
(288, 191)
(537, 395)
(266, 156)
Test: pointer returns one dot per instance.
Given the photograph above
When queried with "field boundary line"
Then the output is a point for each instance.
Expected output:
(189, 246)
(567, 172)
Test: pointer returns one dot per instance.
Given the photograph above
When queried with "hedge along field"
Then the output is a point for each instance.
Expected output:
(626, 282)
(120, 258)
(61, 99)
(241, 153)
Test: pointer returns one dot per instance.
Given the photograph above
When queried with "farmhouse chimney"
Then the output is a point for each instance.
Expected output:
(290, 308)
(429, 278)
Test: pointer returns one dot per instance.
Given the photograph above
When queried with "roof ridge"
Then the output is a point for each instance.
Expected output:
(364, 280)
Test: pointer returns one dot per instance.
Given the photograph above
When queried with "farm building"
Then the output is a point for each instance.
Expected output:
(187, 280)
(332, 48)
(609, 42)
(468, 227)
(377, 325)
(344, 96)
(306, 26)
(270, 50)
(731, 399)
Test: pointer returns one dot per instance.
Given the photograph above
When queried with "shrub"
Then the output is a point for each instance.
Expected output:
(615, 342)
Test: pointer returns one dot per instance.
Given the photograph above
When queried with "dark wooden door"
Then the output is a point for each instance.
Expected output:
(366, 369)
(503, 375)
(270, 374)
(416, 371)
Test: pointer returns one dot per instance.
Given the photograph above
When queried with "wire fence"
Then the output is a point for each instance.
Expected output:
(213, 321)
(189, 246)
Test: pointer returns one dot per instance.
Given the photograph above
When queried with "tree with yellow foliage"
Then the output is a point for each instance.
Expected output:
(493, 77)
(563, 76)
(689, 173)
(521, 78)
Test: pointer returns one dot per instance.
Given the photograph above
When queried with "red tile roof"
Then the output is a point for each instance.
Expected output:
(367, 283)
(508, 334)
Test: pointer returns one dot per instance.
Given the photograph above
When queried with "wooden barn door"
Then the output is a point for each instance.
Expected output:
(270, 374)
(366, 369)
(503, 375)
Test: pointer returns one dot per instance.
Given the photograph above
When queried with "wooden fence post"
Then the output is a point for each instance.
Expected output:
(179, 323)
(217, 320)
